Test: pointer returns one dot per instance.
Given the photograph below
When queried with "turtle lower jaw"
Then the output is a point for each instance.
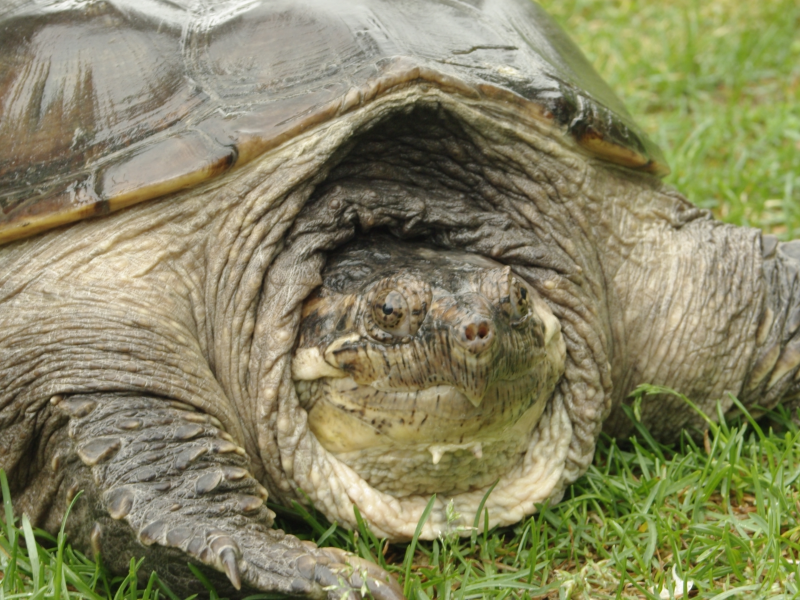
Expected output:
(439, 399)
(407, 451)
(346, 416)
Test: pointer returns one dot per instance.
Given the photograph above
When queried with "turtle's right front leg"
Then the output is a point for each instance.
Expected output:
(166, 483)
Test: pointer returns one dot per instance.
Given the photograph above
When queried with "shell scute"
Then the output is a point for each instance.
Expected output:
(173, 163)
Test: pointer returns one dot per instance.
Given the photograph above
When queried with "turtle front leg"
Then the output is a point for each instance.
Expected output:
(166, 483)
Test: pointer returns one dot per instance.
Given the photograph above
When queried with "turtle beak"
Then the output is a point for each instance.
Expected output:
(471, 336)
(474, 393)
(473, 384)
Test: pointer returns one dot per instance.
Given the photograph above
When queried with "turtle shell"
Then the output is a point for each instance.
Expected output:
(107, 104)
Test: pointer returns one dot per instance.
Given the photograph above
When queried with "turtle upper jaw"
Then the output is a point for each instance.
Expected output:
(469, 383)
(453, 395)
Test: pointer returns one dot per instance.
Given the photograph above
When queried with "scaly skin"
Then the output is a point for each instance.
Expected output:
(183, 487)
(773, 377)
(707, 308)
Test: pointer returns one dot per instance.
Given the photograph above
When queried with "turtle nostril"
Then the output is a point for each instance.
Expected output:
(477, 335)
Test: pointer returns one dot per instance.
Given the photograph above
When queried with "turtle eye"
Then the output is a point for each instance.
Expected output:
(519, 298)
(390, 313)
(511, 294)
(396, 307)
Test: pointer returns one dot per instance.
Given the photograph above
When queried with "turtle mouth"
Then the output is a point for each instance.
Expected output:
(441, 401)
(346, 416)
(431, 440)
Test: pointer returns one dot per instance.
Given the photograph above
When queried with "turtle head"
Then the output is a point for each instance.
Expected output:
(417, 353)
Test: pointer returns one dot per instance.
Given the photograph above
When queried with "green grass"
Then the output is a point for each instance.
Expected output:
(716, 85)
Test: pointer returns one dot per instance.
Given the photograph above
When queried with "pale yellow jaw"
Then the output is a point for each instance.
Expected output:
(347, 417)
(423, 455)
(308, 364)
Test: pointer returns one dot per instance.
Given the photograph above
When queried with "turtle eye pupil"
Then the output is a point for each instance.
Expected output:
(390, 313)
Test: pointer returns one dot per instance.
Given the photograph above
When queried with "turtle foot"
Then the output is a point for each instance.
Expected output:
(316, 572)
(169, 485)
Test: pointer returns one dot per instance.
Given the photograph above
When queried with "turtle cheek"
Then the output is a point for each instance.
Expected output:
(345, 358)
(357, 358)
(530, 332)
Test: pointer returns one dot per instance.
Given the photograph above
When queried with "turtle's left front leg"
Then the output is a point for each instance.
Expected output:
(166, 483)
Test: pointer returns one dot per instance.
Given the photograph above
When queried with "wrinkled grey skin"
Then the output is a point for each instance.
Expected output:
(145, 356)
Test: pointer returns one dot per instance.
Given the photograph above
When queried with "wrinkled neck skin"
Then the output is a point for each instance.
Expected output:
(708, 309)
(196, 298)
(686, 298)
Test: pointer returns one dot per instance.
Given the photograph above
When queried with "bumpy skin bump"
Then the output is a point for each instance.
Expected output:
(172, 488)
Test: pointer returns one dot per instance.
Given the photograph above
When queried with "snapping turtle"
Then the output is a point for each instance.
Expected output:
(177, 358)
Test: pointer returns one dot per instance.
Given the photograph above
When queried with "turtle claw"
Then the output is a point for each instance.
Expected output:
(271, 561)
(231, 566)
(363, 575)
(380, 584)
